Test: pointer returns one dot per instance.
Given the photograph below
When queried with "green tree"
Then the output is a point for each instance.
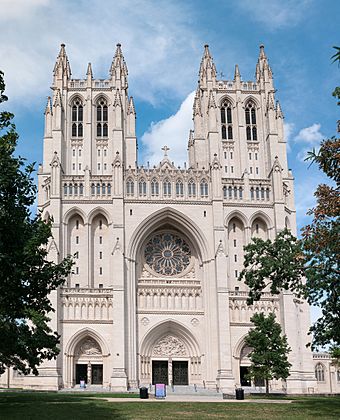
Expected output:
(282, 263)
(26, 276)
(269, 355)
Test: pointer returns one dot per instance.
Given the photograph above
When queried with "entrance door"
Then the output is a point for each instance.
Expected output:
(159, 372)
(81, 373)
(244, 370)
(180, 373)
(97, 374)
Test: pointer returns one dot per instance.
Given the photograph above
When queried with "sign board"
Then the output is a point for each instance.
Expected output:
(160, 391)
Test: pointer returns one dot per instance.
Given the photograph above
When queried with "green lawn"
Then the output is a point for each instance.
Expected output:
(50, 406)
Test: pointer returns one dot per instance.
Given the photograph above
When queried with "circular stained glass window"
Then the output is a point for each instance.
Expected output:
(167, 254)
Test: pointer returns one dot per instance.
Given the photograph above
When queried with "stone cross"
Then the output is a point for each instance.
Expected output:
(165, 149)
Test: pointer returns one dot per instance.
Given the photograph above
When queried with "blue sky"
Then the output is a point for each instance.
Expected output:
(163, 43)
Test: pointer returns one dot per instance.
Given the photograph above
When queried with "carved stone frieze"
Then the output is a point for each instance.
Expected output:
(169, 346)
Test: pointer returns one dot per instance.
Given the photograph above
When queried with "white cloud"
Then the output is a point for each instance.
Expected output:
(275, 14)
(173, 132)
(310, 136)
(288, 129)
(155, 37)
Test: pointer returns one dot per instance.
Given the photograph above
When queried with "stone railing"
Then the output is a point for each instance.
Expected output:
(231, 85)
(80, 304)
(240, 312)
(170, 298)
(77, 83)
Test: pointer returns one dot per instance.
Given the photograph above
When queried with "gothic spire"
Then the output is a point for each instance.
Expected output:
(48, 109)
(279, 113)
(89, 71)
(237, 75)
(197, 104)
(207, 70)
(131, 108)
(62, 66)
(118, 65)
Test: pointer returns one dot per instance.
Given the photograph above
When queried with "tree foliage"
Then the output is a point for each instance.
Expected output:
(269, 355)
(276, 265)
(26, 276)
(282, 263)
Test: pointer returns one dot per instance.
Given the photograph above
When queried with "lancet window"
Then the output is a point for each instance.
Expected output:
(130, 187)
(77, 118)
(320, 372)
(204, 188)
(142, 187)
(251, 127)
(179, 188)
(226, 121)
(154, 187)
(167, 188)
(192, 188)
(102, 119)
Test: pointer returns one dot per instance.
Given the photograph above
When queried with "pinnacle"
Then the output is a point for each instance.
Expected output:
(237, 72)
(131, 109)
(262, 53)
(211, 102)
(89, 70)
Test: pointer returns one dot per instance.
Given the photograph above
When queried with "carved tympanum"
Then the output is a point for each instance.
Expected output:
(89, 347)
(169, 346)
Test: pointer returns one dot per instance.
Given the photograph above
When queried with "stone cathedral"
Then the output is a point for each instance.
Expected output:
(154, 296)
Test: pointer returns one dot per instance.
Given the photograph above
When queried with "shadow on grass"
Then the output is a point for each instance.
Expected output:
(41, 405)
(55, 406)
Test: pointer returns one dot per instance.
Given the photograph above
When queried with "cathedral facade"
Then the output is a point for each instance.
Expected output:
(154, 294)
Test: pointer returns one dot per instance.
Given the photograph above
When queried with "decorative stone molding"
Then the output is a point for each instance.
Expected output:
(169, 346)
(88, 347)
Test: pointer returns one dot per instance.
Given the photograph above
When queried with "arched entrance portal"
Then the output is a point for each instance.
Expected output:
(170, 355)
(86, 358)
(88, 362)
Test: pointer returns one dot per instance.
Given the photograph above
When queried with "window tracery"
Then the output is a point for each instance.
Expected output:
(77, 118)
(167, 254)
(319, 372)
(102, 118)
(226, 121)
(251, 127)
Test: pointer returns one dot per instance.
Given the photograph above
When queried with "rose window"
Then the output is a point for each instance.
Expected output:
(167, 254)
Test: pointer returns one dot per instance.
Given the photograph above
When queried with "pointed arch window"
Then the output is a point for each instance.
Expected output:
(142, 187)
(192, 188)
(320, 372)
(130, 187)
(102, 118)
(204, 188)
(154, 187)
(179, 188)
(167, 188)
(77, 118)
(251, 127)
(226, 121)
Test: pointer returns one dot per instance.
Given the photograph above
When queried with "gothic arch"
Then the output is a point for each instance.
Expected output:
(99, 96)
(99, 211)
(80, 335)
(263, 216)
(226, 98)
(238, 215)
(165, 328)
(174, 218)
(238, 347)
(251, 98)
(72, 212)
(75, 96)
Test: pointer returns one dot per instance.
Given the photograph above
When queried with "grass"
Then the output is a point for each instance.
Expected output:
(51, 406)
